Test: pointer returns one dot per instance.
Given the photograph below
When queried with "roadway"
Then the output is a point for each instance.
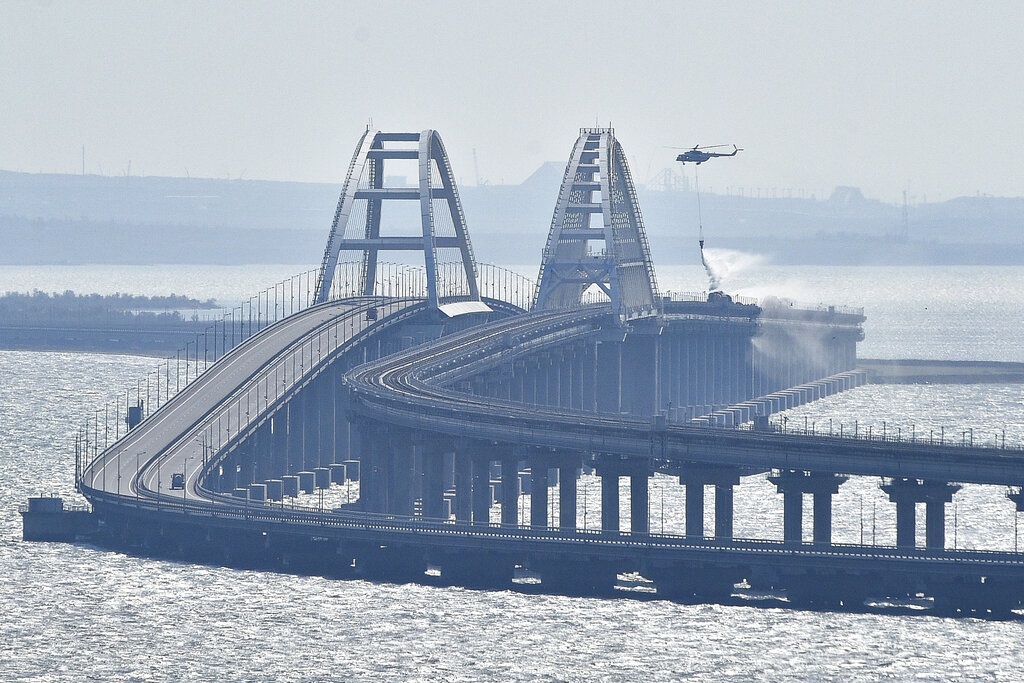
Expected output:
(415, 389)
(411, 389)
(238, 391)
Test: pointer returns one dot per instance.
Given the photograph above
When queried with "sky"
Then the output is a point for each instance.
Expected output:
(890, 97)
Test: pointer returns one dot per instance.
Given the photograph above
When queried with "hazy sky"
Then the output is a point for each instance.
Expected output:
(926, 97)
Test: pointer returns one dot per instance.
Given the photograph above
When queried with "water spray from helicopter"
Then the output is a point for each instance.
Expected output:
(697, 155)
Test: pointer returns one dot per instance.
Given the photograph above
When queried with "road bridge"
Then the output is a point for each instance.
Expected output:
(443, 408)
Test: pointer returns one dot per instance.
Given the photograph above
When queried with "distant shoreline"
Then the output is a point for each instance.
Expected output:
(138, 340)
(923, 371)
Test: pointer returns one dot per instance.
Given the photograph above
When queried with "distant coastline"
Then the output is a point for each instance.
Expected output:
(69, 219)
(113, 323)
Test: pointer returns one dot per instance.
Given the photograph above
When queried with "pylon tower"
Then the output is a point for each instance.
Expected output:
(597, 234)
(441, 235)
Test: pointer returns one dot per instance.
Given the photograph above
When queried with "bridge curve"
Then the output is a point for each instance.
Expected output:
(415, 390)
(417, 407)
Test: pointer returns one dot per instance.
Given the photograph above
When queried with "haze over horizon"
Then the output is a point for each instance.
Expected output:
(917, 97)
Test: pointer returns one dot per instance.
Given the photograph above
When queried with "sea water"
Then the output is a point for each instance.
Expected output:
(72, 612)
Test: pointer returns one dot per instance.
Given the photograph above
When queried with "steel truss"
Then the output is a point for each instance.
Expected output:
(597, 183)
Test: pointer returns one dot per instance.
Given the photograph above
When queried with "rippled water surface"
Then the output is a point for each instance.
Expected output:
(74, 613)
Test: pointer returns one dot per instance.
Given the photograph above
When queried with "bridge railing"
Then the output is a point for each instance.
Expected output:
(894, 433)
(403, 280)
(134, 404)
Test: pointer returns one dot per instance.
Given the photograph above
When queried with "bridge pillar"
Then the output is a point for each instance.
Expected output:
(567, 496)
(538, 490)
(277, 445)
(509, 487)
(463, 486)
(609, 501)
(587, 377)
(792, 484)
(517, 383)
(373, 448)
(694, 510)
(608, 376)
(401, 488)
(724, 510)
(906, 493)
(639, 373)
(312, 407)
(639, 503)
(609, 468)
(552, 379)
(695, 477)
(481, 489)
(294, 412)
(432, 458)
(566, 394)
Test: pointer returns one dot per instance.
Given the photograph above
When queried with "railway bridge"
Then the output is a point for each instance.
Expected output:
(464, 404)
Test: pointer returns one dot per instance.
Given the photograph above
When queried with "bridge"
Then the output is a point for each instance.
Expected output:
(457, 398)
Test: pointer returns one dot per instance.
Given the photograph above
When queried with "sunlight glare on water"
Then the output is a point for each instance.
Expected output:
(74, 612)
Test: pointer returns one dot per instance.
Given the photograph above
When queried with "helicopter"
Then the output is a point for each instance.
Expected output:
(698, 156)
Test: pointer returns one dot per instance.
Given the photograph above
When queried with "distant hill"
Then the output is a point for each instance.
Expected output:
(48, 218)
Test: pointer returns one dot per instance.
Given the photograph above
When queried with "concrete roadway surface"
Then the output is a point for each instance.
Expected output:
(233, 392)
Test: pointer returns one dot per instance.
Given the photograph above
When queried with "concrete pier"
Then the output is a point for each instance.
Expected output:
(695, 477)
(538, 490)
(793, 484)
(509, 488)
(906, 493)
(47, 519)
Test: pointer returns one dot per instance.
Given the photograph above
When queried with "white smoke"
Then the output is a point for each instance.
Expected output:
(722, 264)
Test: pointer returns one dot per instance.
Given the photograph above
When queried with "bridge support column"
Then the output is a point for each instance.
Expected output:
(695, 477)
(277, 443)
(509, 489)
(695, 509)
(432, 461)
(724, 510)
(294, 409)
(608, 375)
(310, 426)
(610, 467)
(517, 383)
(792, 484)
(538, 490)
(906, 493)
(567, 496)
(639, 376)
(400, 488)
(639, 503)
(587, 377)
(481, 489)
(463, 486)
(609, 501)
(373, 446)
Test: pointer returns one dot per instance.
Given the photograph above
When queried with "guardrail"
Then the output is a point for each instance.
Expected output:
(291, 514)
(112, 422)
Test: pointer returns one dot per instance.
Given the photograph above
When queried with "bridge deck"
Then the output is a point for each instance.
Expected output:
(239, 390)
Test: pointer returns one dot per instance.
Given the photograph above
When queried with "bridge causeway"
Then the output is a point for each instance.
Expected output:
(446, 401)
